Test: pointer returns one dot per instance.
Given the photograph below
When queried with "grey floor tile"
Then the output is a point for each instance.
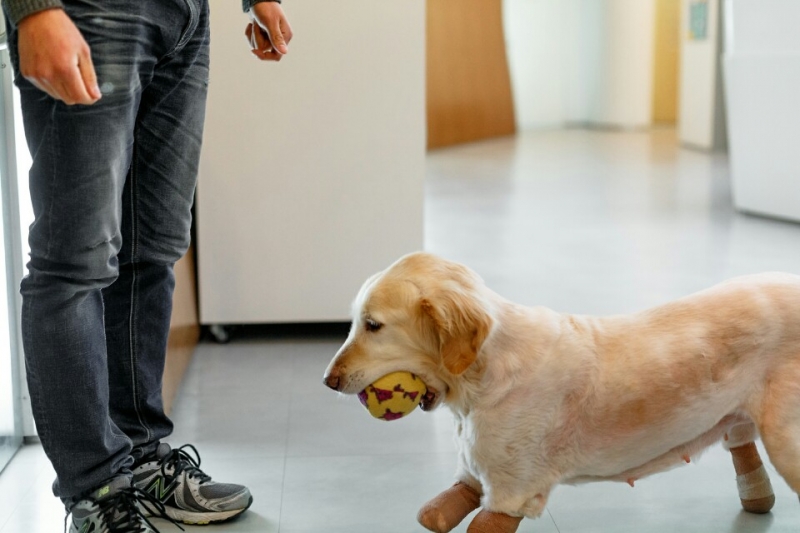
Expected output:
(310, 366)
(37, 511)
(45, 516)
(235, 399)
(369, 493)
(20, 478)
(228, 425)
(699, 497)
(346, 428)
(596, 223)
(583, 222)
(268, 364)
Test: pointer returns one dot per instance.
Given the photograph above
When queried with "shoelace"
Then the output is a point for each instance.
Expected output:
(122, 513)
(181, 461)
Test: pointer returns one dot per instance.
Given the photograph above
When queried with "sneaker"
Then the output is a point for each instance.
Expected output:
(113, 508)
(174, 478)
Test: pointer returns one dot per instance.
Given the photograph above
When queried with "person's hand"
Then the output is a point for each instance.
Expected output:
(269, 32)
(55, 58)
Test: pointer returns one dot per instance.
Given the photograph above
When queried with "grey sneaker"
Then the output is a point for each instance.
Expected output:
(112, 508)
(174, 478)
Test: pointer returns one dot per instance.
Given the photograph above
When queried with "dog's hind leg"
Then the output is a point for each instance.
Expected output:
(449, 508)
(755, 489)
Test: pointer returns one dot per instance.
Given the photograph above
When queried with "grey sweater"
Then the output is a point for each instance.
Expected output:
(19, 9)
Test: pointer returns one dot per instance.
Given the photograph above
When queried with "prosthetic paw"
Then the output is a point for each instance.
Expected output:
(755, 489)
(489, 522)
(449, 508)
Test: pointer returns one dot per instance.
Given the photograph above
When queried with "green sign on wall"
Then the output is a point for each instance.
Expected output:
(698, 20)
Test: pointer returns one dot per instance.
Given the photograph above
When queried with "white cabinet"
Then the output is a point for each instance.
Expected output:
(312, 169)
(762, 84)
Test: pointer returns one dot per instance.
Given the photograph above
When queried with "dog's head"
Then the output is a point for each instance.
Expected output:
(423, 315)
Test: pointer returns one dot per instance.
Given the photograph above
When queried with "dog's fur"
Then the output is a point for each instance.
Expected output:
(542, 398)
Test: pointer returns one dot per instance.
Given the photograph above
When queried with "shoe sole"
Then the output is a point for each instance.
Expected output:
(194, 518)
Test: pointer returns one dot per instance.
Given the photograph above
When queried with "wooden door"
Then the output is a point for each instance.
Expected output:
(468, 85)
(666, 64)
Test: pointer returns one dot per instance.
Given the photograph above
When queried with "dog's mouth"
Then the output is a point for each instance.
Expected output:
(429, 400)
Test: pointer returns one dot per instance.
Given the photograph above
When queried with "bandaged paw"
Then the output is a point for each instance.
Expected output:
(755, 489)
(754, 485)
(449, 508)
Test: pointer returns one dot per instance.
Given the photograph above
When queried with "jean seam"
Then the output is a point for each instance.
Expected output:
(41, 422)
(51, 185)
(191, 27)
(134, 294)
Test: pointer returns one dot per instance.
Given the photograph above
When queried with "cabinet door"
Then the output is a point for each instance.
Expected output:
(312, 168)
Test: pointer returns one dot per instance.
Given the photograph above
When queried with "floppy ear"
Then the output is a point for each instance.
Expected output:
(461, 325)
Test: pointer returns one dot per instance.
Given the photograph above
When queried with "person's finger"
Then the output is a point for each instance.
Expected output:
(88, 75)
(258, 40)
(270, 54)
(248, 33)
(61, 92)
(260, 45)
(267, 56)
(275, 34)
(55, 89)
(286, 29)
(65, 92)
(72, 87)
(262, 40)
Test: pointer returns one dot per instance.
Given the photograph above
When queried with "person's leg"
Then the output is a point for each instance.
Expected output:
(81, 155)
(156, 224)
(156, 230)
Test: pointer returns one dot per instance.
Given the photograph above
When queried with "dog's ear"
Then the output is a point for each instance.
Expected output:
(460, 325)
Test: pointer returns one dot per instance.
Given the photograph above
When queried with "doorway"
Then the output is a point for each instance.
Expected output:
(11, 429)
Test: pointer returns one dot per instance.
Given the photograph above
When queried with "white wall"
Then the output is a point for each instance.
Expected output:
(538, 56)
(612, 78)
(581, 61)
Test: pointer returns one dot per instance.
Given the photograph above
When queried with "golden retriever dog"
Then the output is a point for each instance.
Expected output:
(542, 398)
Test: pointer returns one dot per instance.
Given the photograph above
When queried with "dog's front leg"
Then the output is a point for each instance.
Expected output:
(506, 501)
(448, 509)
(489, 522)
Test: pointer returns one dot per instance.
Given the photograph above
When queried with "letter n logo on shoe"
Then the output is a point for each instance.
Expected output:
(160, 489)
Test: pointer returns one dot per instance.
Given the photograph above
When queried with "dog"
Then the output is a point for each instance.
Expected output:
(542, 398)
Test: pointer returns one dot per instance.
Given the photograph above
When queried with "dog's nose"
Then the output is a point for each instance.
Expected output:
(332, 381)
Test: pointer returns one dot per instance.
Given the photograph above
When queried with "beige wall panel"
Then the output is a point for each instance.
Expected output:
(184, 331)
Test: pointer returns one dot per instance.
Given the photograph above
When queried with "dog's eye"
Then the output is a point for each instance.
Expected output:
(372, 325)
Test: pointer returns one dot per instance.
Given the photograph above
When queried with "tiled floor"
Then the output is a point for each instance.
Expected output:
(583, 222)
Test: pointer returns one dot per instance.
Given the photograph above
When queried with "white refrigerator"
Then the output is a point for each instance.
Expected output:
(762, 85)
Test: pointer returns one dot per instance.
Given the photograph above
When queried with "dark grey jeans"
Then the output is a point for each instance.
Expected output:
(112, 186)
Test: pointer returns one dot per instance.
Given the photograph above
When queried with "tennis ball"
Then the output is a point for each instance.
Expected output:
(393, 396)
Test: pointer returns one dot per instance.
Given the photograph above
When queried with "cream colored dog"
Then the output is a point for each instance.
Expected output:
(542, 398)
